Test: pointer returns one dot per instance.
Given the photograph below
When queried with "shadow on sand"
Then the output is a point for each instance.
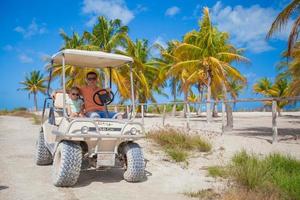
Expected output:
(3, 187)
(106, 176)
(265, 133)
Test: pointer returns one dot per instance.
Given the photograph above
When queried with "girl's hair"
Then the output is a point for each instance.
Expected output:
(75, 88)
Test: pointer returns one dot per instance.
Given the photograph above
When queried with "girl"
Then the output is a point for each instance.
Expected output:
(74, 103)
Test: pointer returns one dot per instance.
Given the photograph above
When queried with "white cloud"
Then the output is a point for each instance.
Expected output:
(25, 59)
(8, 47)
(32, 29)
(140, 8)
(172, 11)
(161, 41)
(155, 52)
(112, 9)
(247, 26)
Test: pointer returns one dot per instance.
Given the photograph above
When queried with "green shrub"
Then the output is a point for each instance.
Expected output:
(177, 154)
(249, 170)
(273, 171)
(19, 109)
(217, 171)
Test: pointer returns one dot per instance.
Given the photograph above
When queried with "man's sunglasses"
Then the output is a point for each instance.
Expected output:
(92, 79)
(75, 94)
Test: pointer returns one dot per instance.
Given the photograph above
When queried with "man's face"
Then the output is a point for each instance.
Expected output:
(91, 79)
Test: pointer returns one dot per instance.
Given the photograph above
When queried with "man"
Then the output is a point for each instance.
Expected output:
(93, 110)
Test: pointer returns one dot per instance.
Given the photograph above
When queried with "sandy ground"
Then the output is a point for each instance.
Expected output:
(20, 178)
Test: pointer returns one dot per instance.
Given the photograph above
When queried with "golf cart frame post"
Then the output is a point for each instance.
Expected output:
(110, 81)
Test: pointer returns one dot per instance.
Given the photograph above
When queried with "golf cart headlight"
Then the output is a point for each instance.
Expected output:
(133, 131)
(84, 130)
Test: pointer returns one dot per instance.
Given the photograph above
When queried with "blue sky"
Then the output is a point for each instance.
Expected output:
(30, 31)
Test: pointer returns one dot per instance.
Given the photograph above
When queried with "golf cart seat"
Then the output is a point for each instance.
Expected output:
(56, 113)
(59, 103)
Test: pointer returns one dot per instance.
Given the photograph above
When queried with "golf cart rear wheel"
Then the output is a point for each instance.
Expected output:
(42, 154)
(135, 167)
(67, 164)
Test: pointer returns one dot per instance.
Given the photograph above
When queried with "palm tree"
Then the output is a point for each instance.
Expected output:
(282, 19)
(263, 86)
(74, 75)
(207, 55)
(145, 73)
(34, 83)
(290, 69)
(164, 63)
(107, 35)
(279, 89)
(236, 87)
(193, 99)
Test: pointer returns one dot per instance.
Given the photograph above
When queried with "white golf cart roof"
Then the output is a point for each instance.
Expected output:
(95, 59)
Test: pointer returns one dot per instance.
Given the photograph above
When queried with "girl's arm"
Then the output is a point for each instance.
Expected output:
(69, 111)
(82, 108)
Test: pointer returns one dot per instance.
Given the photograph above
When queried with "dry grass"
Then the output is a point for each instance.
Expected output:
(22, 112)
(177, 144)
(243, 194)
(207, 194)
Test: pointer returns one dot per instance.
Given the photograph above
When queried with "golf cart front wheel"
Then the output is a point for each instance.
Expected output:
(135, 167)
(42, 154)
(67, 164)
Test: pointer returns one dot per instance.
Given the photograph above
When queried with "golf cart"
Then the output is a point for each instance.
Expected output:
(73, 144)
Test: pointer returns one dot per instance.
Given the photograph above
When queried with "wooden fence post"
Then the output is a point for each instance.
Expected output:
(274, 121)
(164, 115)
(188, 116)
(174, 110)
(208, 112)
(223, 117)
(142, 110)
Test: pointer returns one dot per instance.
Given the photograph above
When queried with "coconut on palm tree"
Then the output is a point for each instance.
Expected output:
(34, 83)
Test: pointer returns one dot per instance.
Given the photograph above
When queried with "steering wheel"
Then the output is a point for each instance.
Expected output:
(104, 97)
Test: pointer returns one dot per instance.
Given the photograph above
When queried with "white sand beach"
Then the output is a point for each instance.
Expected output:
(22, 179)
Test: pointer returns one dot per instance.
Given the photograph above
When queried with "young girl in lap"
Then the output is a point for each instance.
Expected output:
(74, 103)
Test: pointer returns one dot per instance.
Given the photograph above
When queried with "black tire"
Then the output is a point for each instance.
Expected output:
(67, 164)
(135, 167)
(42, 154)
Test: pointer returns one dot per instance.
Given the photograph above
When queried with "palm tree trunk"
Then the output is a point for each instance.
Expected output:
(174, 99)
(228, 109)
(278, 109)
(185, 103)
(215, 109)
(208, 111)
(200, 89)
(229, 117)
(35, 102)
